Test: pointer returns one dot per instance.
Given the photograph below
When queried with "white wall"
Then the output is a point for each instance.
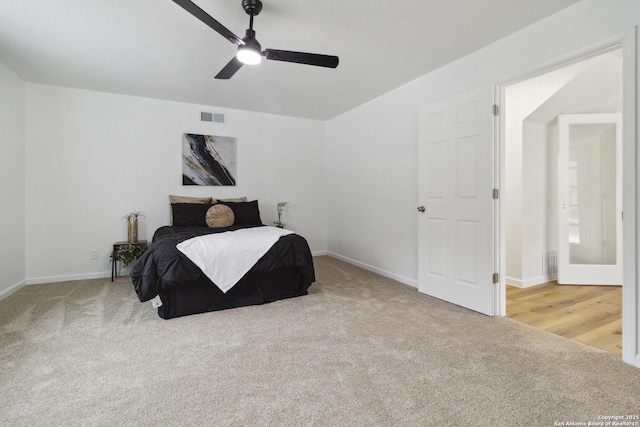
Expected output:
(12, 178)
(534, 201)
(93, 157)
(372, 149)
(372, 188)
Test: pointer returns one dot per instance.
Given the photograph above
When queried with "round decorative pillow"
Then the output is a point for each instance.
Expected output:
(219, 216)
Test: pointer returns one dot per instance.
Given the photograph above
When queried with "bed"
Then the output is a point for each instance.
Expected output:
(164, 273)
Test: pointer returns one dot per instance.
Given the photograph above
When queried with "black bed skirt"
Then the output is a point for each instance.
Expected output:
(253, 289)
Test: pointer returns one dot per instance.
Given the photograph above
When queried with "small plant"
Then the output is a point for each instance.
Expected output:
(281, 206)
(127, 253)
(133, 215)
(132, 225)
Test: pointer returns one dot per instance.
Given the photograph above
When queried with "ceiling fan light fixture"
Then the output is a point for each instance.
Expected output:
(250, 52)
(248, 55)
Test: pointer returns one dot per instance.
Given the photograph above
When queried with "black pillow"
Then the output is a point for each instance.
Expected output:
(246, 213)
(190, 214)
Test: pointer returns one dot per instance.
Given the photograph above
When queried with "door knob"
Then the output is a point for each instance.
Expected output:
(421, 209)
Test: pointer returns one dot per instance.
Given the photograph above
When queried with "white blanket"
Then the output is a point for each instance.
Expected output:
(226, 257)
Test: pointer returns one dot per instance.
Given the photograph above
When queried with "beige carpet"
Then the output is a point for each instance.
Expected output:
(359, 350)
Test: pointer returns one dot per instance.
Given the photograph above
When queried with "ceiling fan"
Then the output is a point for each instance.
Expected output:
(249, 50)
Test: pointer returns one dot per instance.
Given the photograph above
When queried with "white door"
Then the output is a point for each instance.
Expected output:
(456, 249)
(590, 199)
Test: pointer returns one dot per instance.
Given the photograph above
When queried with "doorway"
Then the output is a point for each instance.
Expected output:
(532, 112)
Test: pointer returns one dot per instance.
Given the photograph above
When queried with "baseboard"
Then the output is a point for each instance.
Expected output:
(530, 282)
(123, 271)
(11, 289)
(514, 282)
(407, 281)
(70, 277)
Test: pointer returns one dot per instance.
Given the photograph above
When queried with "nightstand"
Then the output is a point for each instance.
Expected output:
(114, 254)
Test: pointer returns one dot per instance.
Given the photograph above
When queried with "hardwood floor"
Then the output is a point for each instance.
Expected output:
(588, 314)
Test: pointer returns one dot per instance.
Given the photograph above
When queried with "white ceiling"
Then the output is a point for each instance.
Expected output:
(154, 48)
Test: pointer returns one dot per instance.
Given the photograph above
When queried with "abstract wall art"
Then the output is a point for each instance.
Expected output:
(208, 159)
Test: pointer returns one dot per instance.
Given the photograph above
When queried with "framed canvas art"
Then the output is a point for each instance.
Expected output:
(208, 159)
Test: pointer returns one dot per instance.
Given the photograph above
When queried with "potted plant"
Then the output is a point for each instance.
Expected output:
(127, 253)
(281, 206)
(132, 226)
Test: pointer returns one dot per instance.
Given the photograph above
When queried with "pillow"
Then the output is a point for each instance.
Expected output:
(236, 200)
(189, 214)
(185, 199)
(219, 216)
(246, 213)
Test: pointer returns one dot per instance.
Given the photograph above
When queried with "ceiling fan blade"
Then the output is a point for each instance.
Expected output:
(207, 19)
(230, 69)
(328, 61)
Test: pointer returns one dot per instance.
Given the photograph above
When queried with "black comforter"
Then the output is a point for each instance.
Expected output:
(165, 271)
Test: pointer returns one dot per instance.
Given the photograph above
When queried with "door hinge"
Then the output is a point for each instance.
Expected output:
(495, 193)
(496, 278)
(496, 110)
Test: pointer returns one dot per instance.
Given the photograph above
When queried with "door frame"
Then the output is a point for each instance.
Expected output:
(630, 177)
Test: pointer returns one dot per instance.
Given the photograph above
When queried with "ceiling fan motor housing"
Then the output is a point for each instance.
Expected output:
(252, 7)
(250, 41)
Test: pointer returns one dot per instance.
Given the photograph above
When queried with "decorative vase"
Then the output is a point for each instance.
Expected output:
(132, 230)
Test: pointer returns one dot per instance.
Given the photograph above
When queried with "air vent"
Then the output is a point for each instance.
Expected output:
(212, 117)
(549, 262)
